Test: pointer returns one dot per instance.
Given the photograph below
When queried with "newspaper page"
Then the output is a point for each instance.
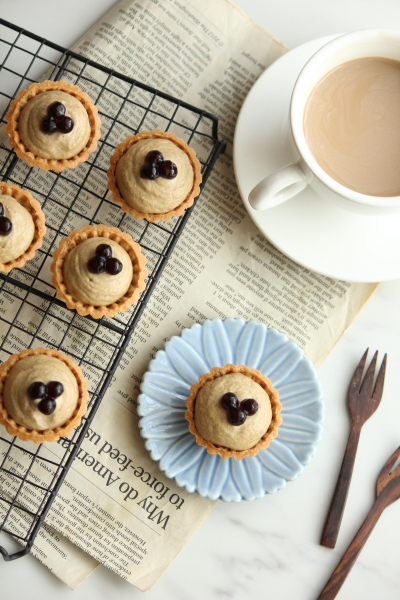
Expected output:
(115, 503)
(58, 554)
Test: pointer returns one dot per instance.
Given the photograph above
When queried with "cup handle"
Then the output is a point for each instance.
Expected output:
(278, 187)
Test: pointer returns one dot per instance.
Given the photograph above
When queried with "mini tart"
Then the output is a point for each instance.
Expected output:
(26, 200)
(124, 147)
(47, 435)
(12, 128)
(126, 242)
(256, 376)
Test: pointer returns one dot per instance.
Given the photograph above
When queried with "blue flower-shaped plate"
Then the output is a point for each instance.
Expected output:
(167, 383)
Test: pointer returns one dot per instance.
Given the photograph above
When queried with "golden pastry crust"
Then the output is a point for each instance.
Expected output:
(26, 200)
(264, 382)
(124, 147)
(21, 101)
(48, 435)
(138, 263)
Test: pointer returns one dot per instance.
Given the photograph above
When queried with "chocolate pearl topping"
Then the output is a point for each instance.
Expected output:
(229, 400)
(168, 169)
(56, 119)
(238, 413)
(249, 406)
(155, 166)
(5, 226)
(154, 156)
(5, 223)
(65, 124)
(113, 266)
(47, 406)
(236, 416)
(46, 394)
(56, 110)
(149, 171)
(104, 261)
(49, 124)
(54, 389)
(104, 250)
(96, 265)
(37, 390)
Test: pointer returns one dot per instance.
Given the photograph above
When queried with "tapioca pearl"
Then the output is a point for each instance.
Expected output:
(47, 405)
(154, 157)
(104, 250)
(49, 124)
(249, 406)
(236, 416)
(229, 400)
(56, 110)
(64, 124)
(5, 226)
(168, 169)
(37, 390)
(113, 266)
(96, 265)
(54, 389)
(149, 171)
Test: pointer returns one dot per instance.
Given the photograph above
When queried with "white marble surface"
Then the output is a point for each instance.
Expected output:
(269, 548)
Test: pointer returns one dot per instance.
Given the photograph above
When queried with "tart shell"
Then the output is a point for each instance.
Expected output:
(26, 199)
(48, 435)
(132, 248)
(22, 100)
(124, 147)
(264, 382)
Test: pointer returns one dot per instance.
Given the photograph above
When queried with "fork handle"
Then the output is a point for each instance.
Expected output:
(338, 503)
(345, 565)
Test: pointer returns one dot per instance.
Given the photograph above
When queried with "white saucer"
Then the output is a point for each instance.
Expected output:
(313, 232)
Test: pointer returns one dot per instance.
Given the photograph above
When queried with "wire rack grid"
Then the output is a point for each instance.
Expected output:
(30, 314)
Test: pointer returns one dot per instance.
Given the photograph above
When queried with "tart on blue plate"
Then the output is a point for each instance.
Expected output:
(233, 411)
(193, 357)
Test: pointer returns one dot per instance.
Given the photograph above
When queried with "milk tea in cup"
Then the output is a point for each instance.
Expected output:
(352, 125)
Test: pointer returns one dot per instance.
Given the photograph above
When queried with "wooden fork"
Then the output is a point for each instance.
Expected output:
(362, 402)
(387, 492)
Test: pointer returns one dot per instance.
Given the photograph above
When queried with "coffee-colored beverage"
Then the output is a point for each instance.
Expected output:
(352, 125)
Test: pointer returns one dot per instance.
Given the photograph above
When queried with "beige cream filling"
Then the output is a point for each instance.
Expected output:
(12, 246)
(159, 195)
(56, 145)
(211, 418)
(23, 409)
(96, 289)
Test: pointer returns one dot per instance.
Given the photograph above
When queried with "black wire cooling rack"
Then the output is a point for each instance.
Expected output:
(30, 314)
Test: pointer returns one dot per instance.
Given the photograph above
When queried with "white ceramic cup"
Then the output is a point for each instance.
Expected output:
(293, 178)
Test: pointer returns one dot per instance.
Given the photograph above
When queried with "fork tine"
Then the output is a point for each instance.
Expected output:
(367, 384)
(386, 470)
(380, 380)
(356, 379)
